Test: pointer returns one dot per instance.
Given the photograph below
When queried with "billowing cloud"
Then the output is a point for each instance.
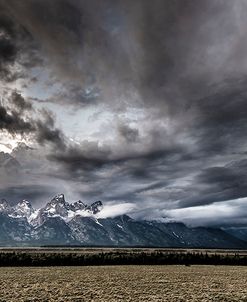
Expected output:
(127, 101)
(115, 210)
(13, 123)
(15, 120)
(224, 213)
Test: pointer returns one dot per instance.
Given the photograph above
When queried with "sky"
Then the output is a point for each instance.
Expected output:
(141, 104)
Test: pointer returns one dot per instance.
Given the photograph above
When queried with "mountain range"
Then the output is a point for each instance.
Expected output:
(78, 224)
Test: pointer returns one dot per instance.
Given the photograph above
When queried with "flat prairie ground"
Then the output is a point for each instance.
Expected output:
(124, 283)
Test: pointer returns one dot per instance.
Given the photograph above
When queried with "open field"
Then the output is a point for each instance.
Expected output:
(124, 283)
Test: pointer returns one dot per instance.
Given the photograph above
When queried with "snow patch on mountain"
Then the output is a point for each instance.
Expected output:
(23, 209)
(57, 207)
(63, 223)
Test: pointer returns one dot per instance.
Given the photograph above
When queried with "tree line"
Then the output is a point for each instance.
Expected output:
(118, 258)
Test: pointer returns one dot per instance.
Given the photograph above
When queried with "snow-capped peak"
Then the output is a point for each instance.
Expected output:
(23, 209)
(24, 204)
(3, 205)
(57, 207)
(78, 205)
(59, 198)
(96, 207)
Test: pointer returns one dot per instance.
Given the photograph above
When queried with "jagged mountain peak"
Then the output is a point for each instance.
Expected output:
(78, 205)
(59, 198)
(23, 209)
(4, 205)
(3, 201)
(58, 207)
(25, 203)
(60, 222)
(96, 207)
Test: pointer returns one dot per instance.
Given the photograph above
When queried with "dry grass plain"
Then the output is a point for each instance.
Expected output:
(124, 283)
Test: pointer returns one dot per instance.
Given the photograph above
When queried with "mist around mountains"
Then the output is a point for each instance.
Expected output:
(59, 222)
(68, 224)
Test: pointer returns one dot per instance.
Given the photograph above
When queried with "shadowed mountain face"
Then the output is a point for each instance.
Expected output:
(63, 223)
(239, 232)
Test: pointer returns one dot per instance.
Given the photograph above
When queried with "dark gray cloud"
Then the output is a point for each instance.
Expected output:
(120, 47)
(20, 103)
(16, 48)
(46, 131)
(45, 134)
(34, 193)
(14, 120)
(174, 72)
(128, 133)
(221, 183)
(8, 49)
(168, 51)
(221, 118)
(13, 123)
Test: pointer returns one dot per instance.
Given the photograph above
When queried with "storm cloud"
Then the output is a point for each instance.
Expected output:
(127, 101)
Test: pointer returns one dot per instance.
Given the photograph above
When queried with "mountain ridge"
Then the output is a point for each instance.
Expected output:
(57, 207)
(63, 223)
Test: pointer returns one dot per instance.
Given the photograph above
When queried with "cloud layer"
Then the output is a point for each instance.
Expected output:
(135, 101)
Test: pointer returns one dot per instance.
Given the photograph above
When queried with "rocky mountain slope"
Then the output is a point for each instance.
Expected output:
(63, 223)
